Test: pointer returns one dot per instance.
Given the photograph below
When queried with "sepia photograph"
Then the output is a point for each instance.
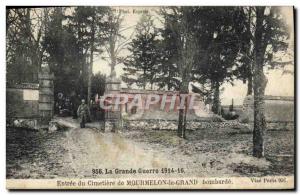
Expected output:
(139, 98)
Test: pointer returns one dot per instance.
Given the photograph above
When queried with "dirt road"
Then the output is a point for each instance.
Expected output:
(76, 152)
(90, 149)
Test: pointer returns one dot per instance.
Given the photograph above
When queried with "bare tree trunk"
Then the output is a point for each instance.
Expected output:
(250, 85)
(180, 122)
(259, 117)
(184, 119)
(90, 65)
(82, 62)
(249, 53)
(216, 100)
(182, 111)
(260, 83)
(112, 46)
(187, 49)
(144, 81)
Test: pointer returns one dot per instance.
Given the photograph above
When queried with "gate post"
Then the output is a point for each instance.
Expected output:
(113, 119)
(46, 99)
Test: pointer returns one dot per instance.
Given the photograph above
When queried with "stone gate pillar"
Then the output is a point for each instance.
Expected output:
(46, 97)
(113, 119)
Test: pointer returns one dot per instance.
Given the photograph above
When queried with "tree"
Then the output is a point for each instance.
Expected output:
(270, 36)
(61, 46)
(244, 69)
(24, 53)
(178, 21)
(74, 36)
(98, 84)
(167, 67)
(144, 58)
(218, 32)
(91, 25)
(115, 42)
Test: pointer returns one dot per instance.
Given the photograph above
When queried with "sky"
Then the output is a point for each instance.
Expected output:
(279, 84)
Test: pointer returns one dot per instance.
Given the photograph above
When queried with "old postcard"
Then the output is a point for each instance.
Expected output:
(182, 97)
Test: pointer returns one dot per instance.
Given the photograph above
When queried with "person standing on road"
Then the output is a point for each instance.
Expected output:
(83, 113)
(75, 104)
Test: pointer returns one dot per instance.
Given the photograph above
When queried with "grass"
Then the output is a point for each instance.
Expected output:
(230, 148)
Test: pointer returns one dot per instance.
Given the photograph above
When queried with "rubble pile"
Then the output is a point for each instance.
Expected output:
(172, 125)
(23, 123)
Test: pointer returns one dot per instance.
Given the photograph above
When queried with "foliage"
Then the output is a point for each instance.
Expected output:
(98, 84)
(24, 53)
(270, 35)
(71, 41)
(141, 65)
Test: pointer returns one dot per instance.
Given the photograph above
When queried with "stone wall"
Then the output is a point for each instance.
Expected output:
(22, 105)
(30, 105)
(22, 101)
(279, 112)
